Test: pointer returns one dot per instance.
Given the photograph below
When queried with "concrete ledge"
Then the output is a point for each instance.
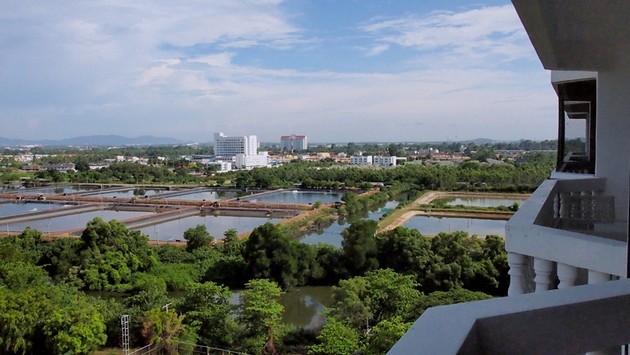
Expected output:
(568, 321)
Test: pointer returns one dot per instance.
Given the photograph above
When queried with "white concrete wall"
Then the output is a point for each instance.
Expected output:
(613, 135)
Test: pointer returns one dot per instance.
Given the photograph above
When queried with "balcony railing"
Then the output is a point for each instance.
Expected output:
(565, 235)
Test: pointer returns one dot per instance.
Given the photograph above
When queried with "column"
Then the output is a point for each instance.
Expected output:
(543, 269)
(517, 267)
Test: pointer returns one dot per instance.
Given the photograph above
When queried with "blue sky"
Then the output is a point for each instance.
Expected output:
(337, 71)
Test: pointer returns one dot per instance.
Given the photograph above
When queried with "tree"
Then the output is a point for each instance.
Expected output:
(48, 319)
(163, 328)
(110, 254)
(207, 307)
(269, 253)
(260, 316)
(439, 298)
(405, 251)
(385, 334)
(197, 237)
(336, 338)
(231, 244)
(77, 328)
(453, 265)
(365, 301)
(359, 246)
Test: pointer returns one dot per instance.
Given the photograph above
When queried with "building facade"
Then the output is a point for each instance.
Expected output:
(380, 160)
(293, 143)
(361, 160)
(243, 161)
(225, 146)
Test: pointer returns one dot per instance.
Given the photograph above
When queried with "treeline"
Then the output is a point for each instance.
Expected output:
(52, 301)
(471, 175)
(126, 173)
(465, 176)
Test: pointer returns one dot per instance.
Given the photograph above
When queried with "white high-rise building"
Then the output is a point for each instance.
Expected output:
(225, 146)
(293, 143)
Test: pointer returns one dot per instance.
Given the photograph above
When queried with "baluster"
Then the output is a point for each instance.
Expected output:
(517, 268)
(543, 269)
(567, 275)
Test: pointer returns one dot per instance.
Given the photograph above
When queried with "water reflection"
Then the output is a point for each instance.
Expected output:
(478, 202)
(10, 209)
(216, 226)
(332, 234)
(298, 197)
(434, 225)
(303, 306)
(74, 221)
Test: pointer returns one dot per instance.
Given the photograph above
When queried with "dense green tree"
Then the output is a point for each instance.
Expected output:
(164, 328)
(271, 254)
(384, 335)
(48, 319)
(439, 298)
(147, 291)
(364, 301)
(452, 265)
(110, 254)
(260, 316)
(405, 251)
(207, 308)
(359, 247)
(75, 328)
(336, 338)
(197, 237)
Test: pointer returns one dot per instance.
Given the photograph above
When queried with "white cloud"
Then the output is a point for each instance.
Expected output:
(485, 32)
(175, 68)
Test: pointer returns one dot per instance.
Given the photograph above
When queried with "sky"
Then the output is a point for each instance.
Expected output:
(334, 70)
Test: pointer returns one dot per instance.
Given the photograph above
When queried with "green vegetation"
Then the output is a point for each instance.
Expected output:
(67, 295)
(385, 281)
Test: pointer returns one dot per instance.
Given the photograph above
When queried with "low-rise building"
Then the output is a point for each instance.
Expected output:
(361, 160)
(384, 160)
(243, 161)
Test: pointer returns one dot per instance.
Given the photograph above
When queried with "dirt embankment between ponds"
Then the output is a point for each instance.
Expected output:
(411, 210)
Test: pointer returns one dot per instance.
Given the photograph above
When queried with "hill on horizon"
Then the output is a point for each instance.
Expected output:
(95, 140)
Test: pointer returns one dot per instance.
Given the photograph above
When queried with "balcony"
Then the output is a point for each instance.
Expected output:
(565, 235)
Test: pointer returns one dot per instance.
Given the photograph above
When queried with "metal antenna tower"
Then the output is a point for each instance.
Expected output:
(124, 324)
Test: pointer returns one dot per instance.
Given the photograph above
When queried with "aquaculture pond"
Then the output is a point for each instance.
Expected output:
(295, 196)
(434, 225)
(204, 195)
(73, 221)
(216, 226)
(10, 209)
(131, 193)
(479, 202)
(54, 190)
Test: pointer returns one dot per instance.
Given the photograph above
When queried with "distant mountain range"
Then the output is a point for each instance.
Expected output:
(99, 140)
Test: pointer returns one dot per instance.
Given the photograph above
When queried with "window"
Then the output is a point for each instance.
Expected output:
(576, 128)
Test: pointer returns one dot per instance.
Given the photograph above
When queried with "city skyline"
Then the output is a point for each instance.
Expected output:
(336, 71)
